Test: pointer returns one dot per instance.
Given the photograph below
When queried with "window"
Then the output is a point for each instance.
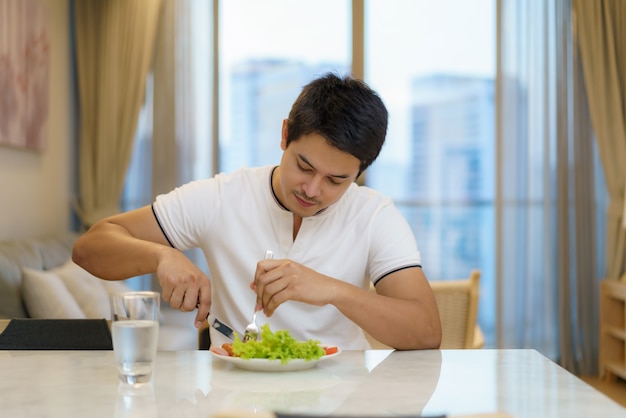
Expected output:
(438, 162)
(434, 70)
(266, 57)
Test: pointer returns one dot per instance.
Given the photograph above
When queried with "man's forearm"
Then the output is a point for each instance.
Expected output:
(398, 323)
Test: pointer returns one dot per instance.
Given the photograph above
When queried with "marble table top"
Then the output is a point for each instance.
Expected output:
(520, 383)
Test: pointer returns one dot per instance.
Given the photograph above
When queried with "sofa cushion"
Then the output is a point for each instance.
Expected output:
(37, 253)
(46, 296)
(87, 290)
(90, 293)
(14, 256)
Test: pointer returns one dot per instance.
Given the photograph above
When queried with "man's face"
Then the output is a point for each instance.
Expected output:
(313, 175)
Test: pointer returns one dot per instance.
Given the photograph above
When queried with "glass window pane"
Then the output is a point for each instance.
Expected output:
(438, 162)
(268, 51)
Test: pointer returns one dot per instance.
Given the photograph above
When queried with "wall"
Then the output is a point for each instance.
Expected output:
(36, 188)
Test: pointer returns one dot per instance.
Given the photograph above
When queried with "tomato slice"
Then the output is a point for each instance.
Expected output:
(229, 349)
(330, 350)
(220, 351)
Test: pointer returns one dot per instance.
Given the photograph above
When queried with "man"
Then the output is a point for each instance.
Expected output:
(330, 237)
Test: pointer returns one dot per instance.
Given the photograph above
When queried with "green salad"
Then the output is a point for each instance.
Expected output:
(277, 345)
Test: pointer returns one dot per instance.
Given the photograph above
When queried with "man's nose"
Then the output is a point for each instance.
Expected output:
(313, 187)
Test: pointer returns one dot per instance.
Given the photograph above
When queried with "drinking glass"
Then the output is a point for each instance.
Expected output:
(135, 330)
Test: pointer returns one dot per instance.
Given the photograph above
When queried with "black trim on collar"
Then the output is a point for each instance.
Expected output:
(159, 223)
(398, 269)
(272, 190)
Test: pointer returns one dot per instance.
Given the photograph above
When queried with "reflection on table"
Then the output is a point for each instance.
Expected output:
(522, 383)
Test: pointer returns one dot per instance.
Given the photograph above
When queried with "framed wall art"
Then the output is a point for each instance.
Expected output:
(24, 74)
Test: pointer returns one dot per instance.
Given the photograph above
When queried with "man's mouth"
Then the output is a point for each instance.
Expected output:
(305, 202)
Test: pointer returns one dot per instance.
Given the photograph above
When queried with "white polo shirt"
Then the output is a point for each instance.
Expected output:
(234, 218)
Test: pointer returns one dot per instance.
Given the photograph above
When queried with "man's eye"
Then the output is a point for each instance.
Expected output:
(305, 169)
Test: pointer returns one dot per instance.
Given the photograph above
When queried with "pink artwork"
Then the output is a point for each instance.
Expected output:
(24, 73)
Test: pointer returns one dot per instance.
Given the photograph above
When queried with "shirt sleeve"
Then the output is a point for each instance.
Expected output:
(185, 213)
(393, 245)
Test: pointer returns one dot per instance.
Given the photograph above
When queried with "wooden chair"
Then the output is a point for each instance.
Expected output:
(457, 301)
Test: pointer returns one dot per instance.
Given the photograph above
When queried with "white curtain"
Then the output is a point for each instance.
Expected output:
(173, 141)
(183, 100)
(114, 45)
(548, 261)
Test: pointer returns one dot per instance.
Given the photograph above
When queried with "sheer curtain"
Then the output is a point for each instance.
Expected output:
(548, 260)
(114, 45)
(183, 107)
(182, 97)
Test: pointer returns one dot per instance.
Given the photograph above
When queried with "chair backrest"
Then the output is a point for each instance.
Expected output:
(457, 301)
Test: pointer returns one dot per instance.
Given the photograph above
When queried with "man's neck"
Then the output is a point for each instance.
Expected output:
(297, 222)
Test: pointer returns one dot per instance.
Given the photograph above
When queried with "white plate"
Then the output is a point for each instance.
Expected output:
(265, 365)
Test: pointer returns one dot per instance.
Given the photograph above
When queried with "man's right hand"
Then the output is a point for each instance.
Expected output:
(183, 285)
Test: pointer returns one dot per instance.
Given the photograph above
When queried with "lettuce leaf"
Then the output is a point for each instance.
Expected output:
(279, 345)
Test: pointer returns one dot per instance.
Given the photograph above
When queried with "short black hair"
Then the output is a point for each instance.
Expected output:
(345, 111)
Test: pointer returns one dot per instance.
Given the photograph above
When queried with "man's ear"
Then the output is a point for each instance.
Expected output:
(283, 140)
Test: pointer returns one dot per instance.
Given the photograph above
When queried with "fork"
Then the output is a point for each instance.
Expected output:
(252, 330)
